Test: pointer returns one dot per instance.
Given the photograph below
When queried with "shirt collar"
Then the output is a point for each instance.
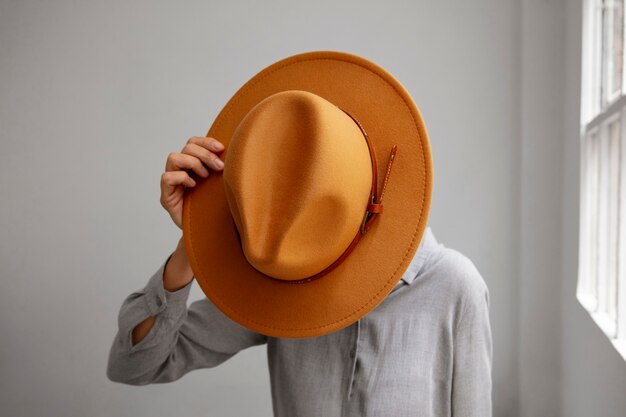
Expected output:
(426, 246)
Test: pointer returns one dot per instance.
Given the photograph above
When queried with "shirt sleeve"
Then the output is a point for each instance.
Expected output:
(181, 339)
(472, 384)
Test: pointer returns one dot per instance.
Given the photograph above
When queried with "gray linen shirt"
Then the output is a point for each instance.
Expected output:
(425, 350)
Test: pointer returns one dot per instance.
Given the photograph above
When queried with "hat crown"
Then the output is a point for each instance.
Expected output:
(297, 177)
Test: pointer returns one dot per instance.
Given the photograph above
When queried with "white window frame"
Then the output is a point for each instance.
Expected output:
(601, 286)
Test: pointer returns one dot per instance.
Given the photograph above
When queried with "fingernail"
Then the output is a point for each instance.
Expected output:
(219, 163)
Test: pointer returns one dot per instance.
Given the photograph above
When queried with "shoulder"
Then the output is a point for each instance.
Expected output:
(459, 277)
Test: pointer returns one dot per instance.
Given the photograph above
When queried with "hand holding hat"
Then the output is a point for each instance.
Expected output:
(197, 154)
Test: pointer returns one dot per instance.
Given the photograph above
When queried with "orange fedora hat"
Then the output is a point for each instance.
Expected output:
(323, 199)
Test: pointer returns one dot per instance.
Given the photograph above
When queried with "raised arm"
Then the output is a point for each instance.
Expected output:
(174, 339)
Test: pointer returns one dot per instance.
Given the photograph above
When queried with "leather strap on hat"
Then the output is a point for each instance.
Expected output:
(373, 210)
(375, 207)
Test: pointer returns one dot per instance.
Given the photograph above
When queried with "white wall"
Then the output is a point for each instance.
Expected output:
(93, 95)
(541, 97)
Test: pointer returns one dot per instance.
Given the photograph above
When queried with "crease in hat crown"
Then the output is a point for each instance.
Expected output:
(297, 178)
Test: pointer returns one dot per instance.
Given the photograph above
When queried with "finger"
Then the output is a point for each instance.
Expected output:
(170, 180)
(209, 143)
(178, 161)
(206, 156)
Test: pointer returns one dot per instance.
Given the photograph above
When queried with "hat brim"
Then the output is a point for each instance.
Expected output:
(354, 288)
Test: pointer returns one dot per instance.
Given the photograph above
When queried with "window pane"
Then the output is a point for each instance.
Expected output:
(613, 210)
(603, 221)
(613, 48)
(621, 242)
(591, 219)
(607, 224)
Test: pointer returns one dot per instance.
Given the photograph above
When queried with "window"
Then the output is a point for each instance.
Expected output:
(601, 287)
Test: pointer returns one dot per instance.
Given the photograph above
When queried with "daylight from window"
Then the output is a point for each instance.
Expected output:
(602, 269)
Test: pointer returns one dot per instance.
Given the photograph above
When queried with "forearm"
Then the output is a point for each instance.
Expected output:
(178, 272)
(181, 338)
(177, 275)
(132, 362)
